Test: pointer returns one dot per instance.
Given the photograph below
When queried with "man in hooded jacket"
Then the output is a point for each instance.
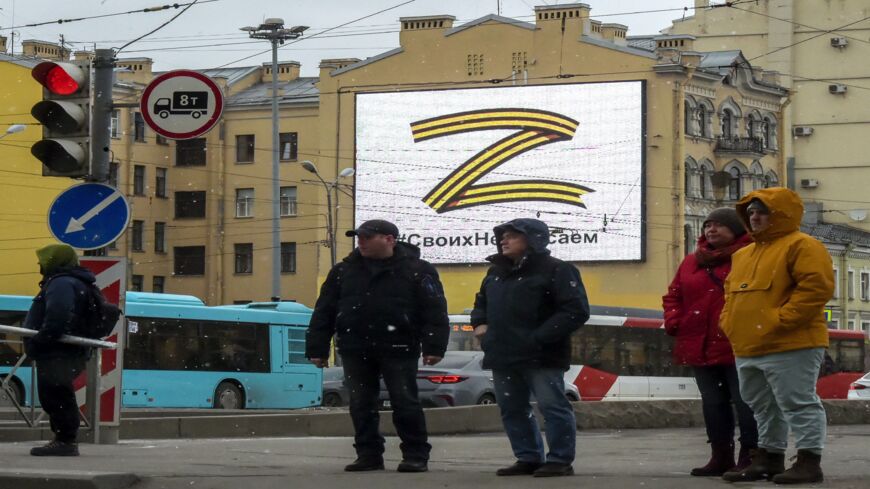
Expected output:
(58, 309)
(385, 306)
(773, 316)
(528, 305)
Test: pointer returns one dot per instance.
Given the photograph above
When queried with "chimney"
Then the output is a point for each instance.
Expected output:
(287, 71)
(134, 70)
(570, 18)
(425, 25)
(327, 66)
(45, 50)
(614, 33)
(681, 42)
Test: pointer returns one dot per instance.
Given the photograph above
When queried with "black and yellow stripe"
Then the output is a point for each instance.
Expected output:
(536, 128)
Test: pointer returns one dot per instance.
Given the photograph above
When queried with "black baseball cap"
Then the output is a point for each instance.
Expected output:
(375, 226)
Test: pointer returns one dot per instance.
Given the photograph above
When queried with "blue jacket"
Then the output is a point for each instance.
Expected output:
(531, 308)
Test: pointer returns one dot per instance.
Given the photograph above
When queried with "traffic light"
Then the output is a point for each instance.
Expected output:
(65, 115)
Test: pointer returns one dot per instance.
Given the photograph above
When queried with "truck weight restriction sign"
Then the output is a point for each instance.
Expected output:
(182, 104)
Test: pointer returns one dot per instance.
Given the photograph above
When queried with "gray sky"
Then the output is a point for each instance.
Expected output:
(207, 35)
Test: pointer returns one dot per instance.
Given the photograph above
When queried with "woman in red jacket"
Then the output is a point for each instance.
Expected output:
(691, 310)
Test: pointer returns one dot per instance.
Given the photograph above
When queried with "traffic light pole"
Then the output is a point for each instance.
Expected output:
(101, 115)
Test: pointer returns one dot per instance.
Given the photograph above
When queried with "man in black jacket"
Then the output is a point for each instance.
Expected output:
(527, 308)
(58, 309)
(384, 305)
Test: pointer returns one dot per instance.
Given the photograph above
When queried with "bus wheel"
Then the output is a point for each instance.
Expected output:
(228, 396)
(486, 399)
(16, 393)
(331, 399)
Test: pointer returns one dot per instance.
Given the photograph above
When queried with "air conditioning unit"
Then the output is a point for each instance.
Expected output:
(809, 183)
(837, 88)
(802, 131)
(839, 42)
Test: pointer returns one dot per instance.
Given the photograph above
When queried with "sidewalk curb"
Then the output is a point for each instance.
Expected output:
(68, 479)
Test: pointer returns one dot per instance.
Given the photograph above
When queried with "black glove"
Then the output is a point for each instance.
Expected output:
(35, 345)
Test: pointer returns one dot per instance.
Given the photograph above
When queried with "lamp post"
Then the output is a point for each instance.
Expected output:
(273, 30)
(330, 187)
(14, 128)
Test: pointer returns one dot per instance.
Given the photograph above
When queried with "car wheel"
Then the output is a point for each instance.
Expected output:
(486, 399)
(228, 396)
(331, 399)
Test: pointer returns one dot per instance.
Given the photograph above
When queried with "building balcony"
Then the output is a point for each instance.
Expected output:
(739, 144)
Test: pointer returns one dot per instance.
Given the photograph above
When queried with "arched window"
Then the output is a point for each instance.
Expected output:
(705, 170)
(771, 180)
(729, 114)
(691, 117)
(757, 172)
(691, 175)
(769, 132)
(705, 116)
(734, 190)
(727, 123)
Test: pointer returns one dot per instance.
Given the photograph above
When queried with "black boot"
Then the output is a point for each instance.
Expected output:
(721, 460)
(743, 459)
(365, 464)
(519, 468)
(806, 470)
(56, 448)
(764, 465)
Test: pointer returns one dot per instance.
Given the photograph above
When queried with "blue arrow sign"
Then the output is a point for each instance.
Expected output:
(88, 216)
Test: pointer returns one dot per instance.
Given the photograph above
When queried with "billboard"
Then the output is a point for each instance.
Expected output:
(448, 165)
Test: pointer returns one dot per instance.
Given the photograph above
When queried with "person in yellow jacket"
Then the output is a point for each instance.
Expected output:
(773, 317)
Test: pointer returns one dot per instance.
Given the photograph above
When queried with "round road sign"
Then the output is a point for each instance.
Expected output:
(182, 104)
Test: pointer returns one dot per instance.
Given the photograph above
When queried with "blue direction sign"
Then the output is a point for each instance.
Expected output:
(88, 216)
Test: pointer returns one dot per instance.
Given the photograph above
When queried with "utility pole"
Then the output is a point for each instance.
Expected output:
(273, 30)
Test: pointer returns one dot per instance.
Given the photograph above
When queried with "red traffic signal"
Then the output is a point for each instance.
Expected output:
(60, 78)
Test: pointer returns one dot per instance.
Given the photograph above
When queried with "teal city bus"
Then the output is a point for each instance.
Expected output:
(181, 353)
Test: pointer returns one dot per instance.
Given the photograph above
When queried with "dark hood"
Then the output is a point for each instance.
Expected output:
(537, 233)
(78, 272)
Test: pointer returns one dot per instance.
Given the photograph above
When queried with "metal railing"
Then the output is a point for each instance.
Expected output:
(739, 144)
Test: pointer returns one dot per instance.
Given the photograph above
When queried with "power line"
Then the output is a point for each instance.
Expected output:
(103, 16)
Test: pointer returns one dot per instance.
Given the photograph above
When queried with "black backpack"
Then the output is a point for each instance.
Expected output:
(100, 318)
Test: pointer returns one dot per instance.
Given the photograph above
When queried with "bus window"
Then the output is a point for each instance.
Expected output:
(462, 338)
(11, 347)
(296, 346)
(848, 354)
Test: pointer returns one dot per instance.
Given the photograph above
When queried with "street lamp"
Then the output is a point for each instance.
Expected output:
(273, 30)
(329, 186)
(13, 129)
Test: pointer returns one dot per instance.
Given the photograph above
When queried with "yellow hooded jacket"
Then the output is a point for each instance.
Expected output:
(778, 286)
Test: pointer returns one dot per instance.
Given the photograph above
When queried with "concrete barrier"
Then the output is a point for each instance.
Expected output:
(444, 421)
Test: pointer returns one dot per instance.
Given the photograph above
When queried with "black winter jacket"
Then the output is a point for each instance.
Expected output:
(58, 309)
(392, 311)
(531, 308)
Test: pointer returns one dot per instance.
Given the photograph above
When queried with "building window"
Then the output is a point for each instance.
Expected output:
(190, 152)
(288, 257)
(115, 124)
(727, 124)
(244, 202)
(734, 185)
(865, 286)
(836, 284)
(160, 182)
(138, 180)
(113, 174)
(865, 325)
(850, 284)
(136, 282)
(244, 257)
(703, 117)
(189, 204)
(136, 241)
(189, 260)
(138, 127)
(97, 252)
(850, 325)
(158, 284)
(245, 148)
(160, 237)
(289, 145)
(474, 64)
(288, 201)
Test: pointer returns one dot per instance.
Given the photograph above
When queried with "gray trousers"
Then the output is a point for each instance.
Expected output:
(781, 390)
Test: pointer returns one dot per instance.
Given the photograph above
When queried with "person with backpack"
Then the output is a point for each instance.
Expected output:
(384, 306)
(62, 304)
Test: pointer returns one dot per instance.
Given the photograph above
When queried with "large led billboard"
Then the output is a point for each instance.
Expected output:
(448, 165)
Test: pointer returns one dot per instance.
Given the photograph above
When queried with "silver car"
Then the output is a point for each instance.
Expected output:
(860, 389)
(458, 380)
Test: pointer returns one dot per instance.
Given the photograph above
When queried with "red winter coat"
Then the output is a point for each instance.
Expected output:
(692, 307)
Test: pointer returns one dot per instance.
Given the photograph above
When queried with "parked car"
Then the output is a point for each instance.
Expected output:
(860, 389)
(458, 380)
(335, 392)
